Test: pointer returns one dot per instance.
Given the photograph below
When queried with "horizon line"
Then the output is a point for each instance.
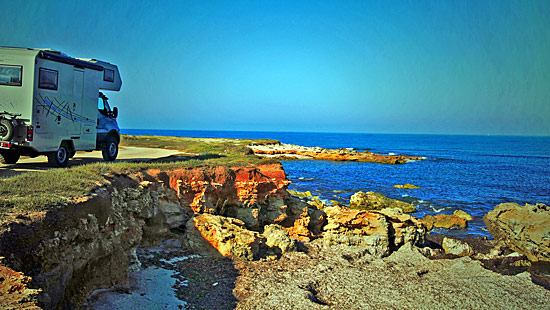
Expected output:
(342, 132)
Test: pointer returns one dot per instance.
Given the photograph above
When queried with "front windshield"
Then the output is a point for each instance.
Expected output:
(100, 104)
(103, 106)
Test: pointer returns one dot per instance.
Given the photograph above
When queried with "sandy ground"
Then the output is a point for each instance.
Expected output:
(316, 277)
(126, 153)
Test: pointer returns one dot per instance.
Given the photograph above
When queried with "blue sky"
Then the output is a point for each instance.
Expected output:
(450, 67)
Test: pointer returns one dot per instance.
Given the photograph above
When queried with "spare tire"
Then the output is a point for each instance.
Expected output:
(6, 129)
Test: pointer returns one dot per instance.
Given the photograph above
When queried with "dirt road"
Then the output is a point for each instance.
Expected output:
(126, 153)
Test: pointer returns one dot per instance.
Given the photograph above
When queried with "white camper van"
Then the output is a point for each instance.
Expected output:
(51, 104)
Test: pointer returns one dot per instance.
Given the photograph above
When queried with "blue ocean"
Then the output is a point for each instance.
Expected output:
(470, 173)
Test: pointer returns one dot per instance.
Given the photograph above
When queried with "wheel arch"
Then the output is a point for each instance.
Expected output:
(70, 145)
(115, 134)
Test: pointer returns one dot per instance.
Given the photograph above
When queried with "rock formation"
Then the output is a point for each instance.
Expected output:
(72, 249)
(379, 231)
(14, 290)
(525, 229)
(303, 152)
(450, 221)
(214, 235)
(377, 201)
(406, 186)
(456, 247)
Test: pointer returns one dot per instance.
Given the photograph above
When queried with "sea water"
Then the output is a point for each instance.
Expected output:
(470, 173)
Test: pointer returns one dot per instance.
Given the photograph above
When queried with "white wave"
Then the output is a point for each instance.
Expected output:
(391, 154)
(434, 209)
(349, 148)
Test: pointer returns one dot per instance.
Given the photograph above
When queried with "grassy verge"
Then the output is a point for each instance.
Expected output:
(194, 145)
(38, 191)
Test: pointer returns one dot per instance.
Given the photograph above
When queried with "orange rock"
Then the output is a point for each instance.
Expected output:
(338, 155)
(14, 290)
(212, 234)
(300, 229)
(450, 221)
(211, 189)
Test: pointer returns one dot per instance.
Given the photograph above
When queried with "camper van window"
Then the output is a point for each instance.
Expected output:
(47, 79)
(108, 75)
(10, 75)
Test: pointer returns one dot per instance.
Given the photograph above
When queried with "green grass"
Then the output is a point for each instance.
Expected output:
(194, 145)
(39, 191)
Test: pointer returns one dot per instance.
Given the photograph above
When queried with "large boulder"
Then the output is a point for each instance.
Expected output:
(277, 237)
(379, 232)
(525, 229)
(214, 235)
(377, 201)
(405, 228)
(217, 235)
(456, 247)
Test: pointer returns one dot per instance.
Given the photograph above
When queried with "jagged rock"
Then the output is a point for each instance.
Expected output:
(256, 194)
(300, 228)
(217, 235)
(276, 236)
(449, 221)
(14, 290)
(406, 228)
(525, 229)
(318, 219)
(72, 249)
(463, 215)
(377, 201)
(379, 231)
(406, 186)
(302, 152)
(174, 214)
(456, 247)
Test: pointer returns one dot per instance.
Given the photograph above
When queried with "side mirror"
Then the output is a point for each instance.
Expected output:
(115, 112)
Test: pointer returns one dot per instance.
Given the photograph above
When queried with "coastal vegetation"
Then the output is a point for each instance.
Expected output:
(37, 191)
(230, 147)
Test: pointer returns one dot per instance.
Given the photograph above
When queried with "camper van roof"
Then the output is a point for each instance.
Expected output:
(55, 55)
(60, 57)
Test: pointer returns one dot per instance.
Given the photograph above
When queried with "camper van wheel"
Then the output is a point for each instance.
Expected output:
(9, 157)
(6, 129)
(60, 158)
(110, 151)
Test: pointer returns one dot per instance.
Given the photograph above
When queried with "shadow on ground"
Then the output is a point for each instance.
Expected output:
(7, 171)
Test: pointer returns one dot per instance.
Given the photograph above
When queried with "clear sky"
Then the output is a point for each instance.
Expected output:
(457, 67)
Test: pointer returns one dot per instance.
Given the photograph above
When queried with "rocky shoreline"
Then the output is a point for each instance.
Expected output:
(234, 237)
(289, 151)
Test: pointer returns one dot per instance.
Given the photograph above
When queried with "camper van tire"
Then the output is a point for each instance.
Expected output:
(8, 157)
(110, 151)
(60, 158)
(6, 129)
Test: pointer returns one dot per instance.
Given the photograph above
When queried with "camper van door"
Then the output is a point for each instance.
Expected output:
(76, 107)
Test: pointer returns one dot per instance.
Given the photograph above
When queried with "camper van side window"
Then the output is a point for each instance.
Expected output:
(47, 79)
(108, 75)
(10, 75)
